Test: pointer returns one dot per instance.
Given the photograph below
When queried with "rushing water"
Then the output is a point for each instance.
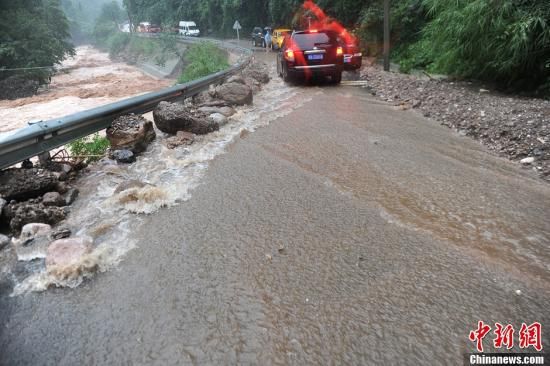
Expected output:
(170, 176)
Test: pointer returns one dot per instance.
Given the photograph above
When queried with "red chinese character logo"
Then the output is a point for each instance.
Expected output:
(531, 336)
(504, 336)
(478, 334)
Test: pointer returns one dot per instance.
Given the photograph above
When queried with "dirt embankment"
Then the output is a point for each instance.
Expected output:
(516, 127)
(88, 80)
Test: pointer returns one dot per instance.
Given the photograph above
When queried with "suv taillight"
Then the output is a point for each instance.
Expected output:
(289, 55)
(339, 51)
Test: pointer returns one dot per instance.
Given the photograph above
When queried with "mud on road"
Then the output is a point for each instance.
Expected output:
(88, 80)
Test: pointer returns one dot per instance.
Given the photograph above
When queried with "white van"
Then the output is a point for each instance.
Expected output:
(189, 29)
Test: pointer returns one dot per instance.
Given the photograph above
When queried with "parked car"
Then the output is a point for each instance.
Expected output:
(189, 29)
(278, 36)
(353, 58)
(257, 37)
(311, 53)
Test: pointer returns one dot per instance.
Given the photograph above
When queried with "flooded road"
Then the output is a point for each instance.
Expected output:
(344, 231)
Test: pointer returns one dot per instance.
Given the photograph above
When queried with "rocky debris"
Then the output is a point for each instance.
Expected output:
(21, 184)
(60, 233)
(236, 79)
(214, 103)
(218, 118)
(34, 229)
(515, 126)
(16, 87)
(33, 234)
(235, 93)
(132, 183)
(4, 241)
(205, 96)
(71, 196)
(27, 164)
(131, 132)
(225, 110)
(3, 203)
(53, 199)
(32, 211)
(253, 84)
(123, 156)
(172, 117)
(182, 138)
(257, 71)
(67, 252)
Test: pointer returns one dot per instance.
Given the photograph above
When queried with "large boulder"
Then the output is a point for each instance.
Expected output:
(235, 93)
(22, 184)
(173, 117)
(131, 132)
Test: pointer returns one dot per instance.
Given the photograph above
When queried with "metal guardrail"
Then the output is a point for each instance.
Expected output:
(44, 136)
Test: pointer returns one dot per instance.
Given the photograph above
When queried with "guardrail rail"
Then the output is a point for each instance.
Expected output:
(43, 136)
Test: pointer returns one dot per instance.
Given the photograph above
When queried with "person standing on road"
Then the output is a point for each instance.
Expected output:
(267, 38)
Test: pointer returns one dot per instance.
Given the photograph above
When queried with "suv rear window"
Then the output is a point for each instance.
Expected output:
(310, 40)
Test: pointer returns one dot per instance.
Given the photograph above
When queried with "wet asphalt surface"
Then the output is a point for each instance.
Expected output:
(346, 232)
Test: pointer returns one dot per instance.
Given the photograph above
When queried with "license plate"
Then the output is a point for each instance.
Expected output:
(347, 59)
(315, 57)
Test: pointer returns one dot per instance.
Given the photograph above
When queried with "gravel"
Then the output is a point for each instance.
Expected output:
(513, 126)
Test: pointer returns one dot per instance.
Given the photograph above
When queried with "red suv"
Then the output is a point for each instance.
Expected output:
(311, 53)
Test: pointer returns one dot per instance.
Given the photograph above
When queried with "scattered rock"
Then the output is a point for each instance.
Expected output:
(513, 125)
(27, 164)
(172, 117)
(218, 118)
(4, 241)
(3, 203)
(22, 184)
(67, 252)
(259, 75)
(182, 138)
(60, 233)
(123, 156)
(131, 132)
(32, 231)
(416, 104)
(71, 196)
(236, 79)
(235, 93)
(527, 160)
(253, 84)
(24, 213)
(53, 199)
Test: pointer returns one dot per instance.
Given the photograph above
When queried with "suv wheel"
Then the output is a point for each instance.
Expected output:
(337, 77)
(286, 76)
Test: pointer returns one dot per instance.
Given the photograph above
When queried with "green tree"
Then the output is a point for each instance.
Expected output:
(34, 35)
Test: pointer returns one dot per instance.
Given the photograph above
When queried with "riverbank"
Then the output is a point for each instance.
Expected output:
(512, 126)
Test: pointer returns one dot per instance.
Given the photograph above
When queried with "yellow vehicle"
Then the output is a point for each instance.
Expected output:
(278, 36)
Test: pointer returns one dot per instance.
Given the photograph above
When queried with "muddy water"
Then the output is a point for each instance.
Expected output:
(342, 232)
(88, 80)
(170, 176)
